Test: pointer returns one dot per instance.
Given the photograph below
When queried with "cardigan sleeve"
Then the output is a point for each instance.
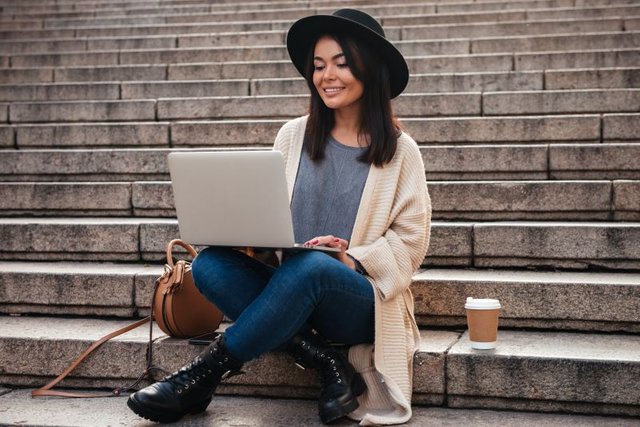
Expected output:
(392, 258)
(283, 138)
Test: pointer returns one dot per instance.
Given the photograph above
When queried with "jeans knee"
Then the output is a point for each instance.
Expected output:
(206, 263)
(311, 269)
(313, 262)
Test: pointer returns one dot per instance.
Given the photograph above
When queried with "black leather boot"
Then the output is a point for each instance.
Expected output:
(189, 390)
(340, 383)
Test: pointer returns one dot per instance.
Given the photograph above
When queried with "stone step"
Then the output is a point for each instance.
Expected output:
(592, 78)
(589, 160)
(534, 200)
(243, 133)
(512, 28)
(56, 43)
(145, 10)
(416, 105)
(21, 25)
(603, 78)
(398, 14)
(553, 365)
(176, 55)
(130, 6)
(228, 33)
(247, 14)
(260, 412)
(573, 301)
(293, 12)
(107, 70)
(187, 54)
(53, 5)
(61, 91)
(569, 12)
(478, 244)
(581, 59)
(444, 163)
(283, 106)
(543, 300)
(83, 111)
(119, 3)
(421, 83)
(624, 8)
(556, 42)
(197, 9)
(78, 289)
(558, 102)
(271, 374)
(451, 200)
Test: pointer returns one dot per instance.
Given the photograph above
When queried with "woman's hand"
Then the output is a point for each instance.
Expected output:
(335, 242)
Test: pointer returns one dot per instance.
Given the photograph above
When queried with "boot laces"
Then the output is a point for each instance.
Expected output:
(189, 375)
(329, 373)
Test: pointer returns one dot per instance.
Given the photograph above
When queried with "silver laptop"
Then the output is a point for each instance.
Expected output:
(233, 198)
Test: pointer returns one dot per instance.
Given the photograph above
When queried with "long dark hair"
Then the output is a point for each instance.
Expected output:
(377, 122)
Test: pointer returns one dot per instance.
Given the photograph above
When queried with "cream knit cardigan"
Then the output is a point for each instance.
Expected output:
(390, 238)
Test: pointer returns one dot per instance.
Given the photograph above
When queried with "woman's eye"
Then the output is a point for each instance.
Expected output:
(345, 65)
(318, 67)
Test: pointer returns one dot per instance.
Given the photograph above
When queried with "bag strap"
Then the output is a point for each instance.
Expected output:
(46, 390)
(178, 242)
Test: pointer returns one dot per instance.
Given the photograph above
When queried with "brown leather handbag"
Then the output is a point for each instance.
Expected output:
(177, 307)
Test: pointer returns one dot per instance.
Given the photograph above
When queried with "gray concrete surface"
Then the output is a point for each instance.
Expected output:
(18, 408)
(550, 299)
(528, 369)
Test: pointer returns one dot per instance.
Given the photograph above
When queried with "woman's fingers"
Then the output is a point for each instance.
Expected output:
(329, 240)
(334, 242)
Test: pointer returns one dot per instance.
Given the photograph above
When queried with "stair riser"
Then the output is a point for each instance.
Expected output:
(612, 37)
(458, 373)
(85, 135)
(605, 101)
(248, 133)
(588, 79)
(416, 32)
(407, 105)
(425, 83)
(542, 305)
(499, 246)
(597, 200)
(541, 382)
(611, 246)
(105, 39)
(580, 305)
(168, 54)
(107, 70)
(562, 60)
(418, 84)
(448, 163)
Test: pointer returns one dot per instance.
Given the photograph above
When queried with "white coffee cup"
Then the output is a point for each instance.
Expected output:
(482, 320)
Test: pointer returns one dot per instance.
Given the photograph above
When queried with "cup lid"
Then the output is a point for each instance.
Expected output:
(482, 303)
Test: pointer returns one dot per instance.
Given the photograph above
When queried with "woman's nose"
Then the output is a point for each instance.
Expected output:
(329, 72)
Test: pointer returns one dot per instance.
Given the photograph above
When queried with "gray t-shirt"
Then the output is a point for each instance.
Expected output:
(327, 194)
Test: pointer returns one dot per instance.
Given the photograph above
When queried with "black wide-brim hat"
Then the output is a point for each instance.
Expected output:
(303, 34)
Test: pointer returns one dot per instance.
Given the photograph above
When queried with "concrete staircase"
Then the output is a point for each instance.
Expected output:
(528, 117)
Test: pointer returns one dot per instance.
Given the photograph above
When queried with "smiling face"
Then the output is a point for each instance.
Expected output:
(332, 77)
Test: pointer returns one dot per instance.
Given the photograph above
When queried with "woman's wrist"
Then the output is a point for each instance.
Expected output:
(357, 266)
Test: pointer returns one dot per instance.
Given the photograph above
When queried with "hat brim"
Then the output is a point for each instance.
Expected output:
(304, 32)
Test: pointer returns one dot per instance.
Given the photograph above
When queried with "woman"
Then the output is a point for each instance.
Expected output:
(356, 183)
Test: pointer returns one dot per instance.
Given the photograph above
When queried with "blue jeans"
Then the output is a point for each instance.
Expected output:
(270, 305)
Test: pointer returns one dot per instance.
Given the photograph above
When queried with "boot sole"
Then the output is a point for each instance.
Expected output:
(329, 415)
(154, 416)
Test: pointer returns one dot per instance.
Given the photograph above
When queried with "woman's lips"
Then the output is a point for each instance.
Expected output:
(330, 91)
